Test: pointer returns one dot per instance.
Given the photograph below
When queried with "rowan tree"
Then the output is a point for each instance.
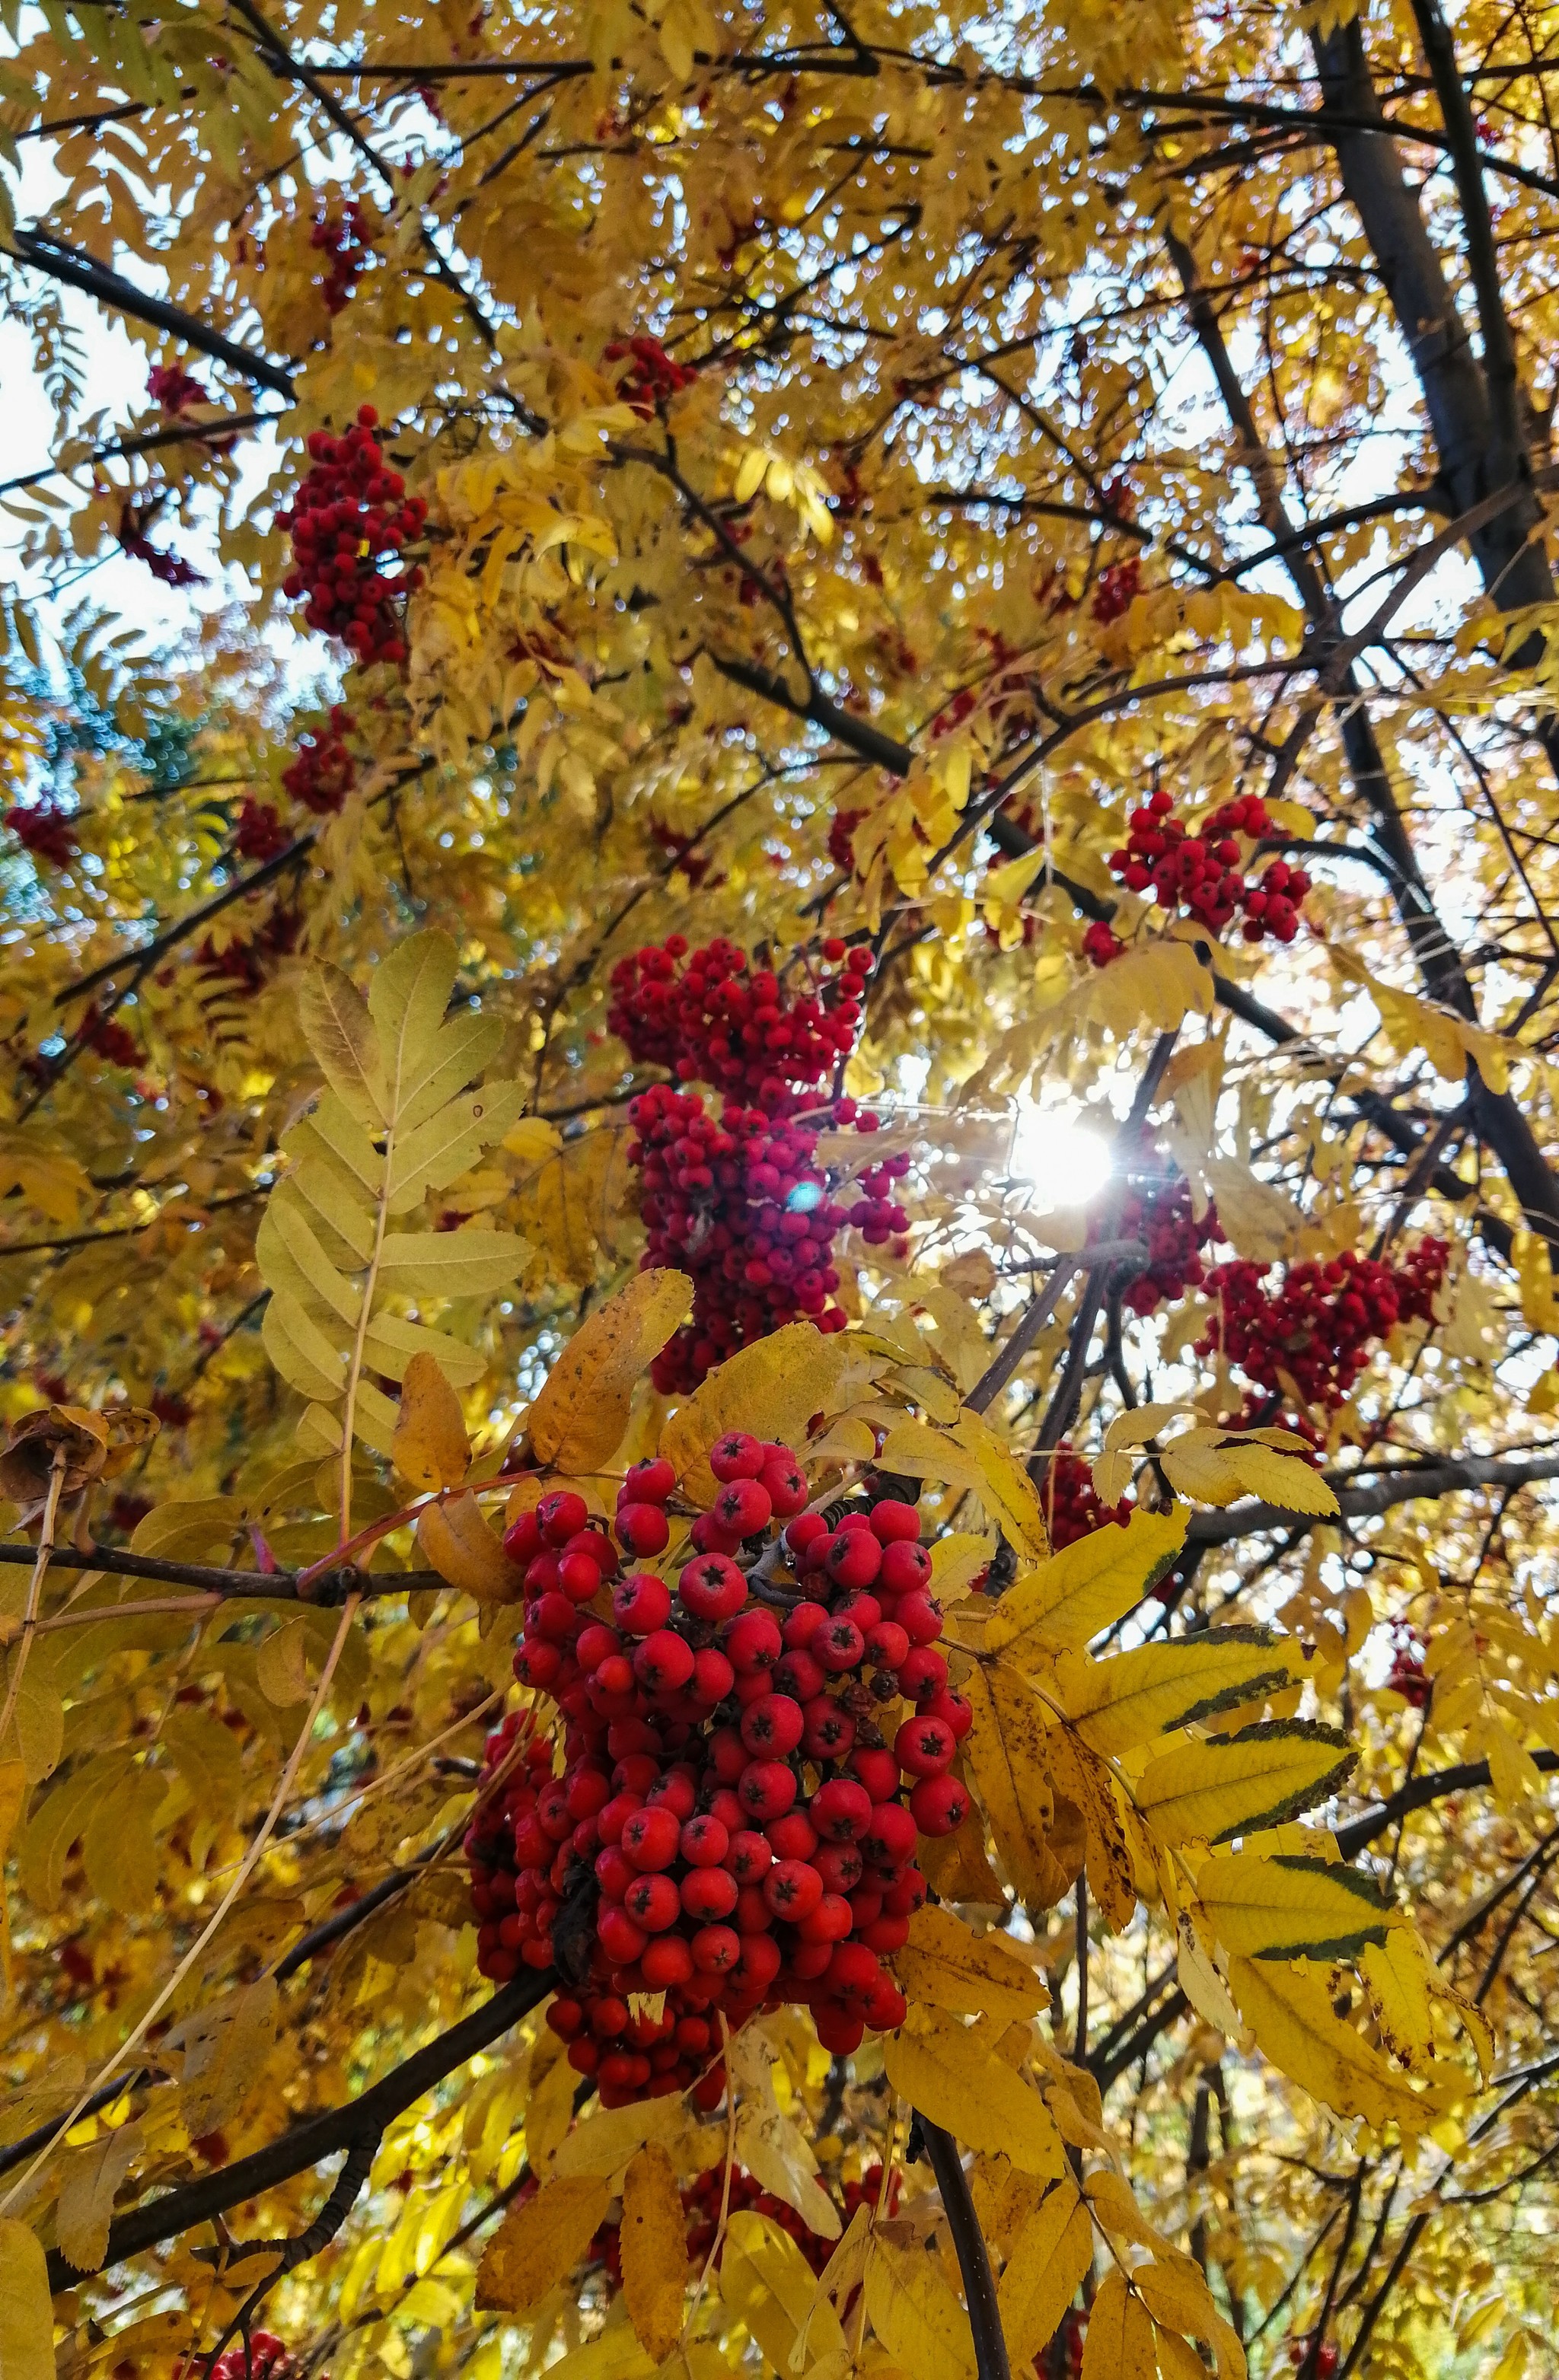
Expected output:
(797, 1754)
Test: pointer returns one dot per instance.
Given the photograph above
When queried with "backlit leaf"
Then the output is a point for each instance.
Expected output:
(579, 1416)
(1088, 1585)
(1231, 1785)
(653, 2249)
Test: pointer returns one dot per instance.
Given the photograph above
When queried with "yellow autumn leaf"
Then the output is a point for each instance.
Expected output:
(768, 2285)
(1044, 2271)
(772, 1389)
(1129, 1698)
(429, 1448)
(27, 2322)
(654, 2249)
(916, 2315)
(945, 1965)
(13, 1800)
(1232, 1784)
(1119, 2341)
(1290, 2013)
(1281, 1479)
(1291, 1908)
(579, 1416)
(457, 1543)
(538, 2243)
(1007, 1753)
(1088, 1585)
(949, 2074)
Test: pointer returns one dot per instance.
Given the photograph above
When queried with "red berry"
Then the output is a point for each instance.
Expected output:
(925, 1746)
(560, 1514)
(651, 1837)
(708, 1893)
(771, 1726)
(712, 1587)
(752, 1641)
(767, 1789)
(704, 1842)
(878, 1771)
(620, 1938)
(715, 1948)
(653, 1901)
(919, 1618)
(667, 1963)
(894, 1523)
(663, 1661)
(641, 1603)
(792, 1889)
(948, 1704)
(751, 1856)
(904, 1567)
(642, 1529)
(650, 1482)
(744, 1506)
(938, 1804)
(841, 1810)
(522, 1539)
(737, 1455)
(786, 1485)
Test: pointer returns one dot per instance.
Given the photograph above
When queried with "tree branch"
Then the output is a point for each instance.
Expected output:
(307, 2144)
(60, 262)
(1433, 1479)
(974, 2261)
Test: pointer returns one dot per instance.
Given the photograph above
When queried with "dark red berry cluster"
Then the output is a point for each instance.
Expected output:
(349, 514)
(44, 830)
(727, 1807)
(260, 833)
(1072, 1507)
(702, 2201)
(1102, 945)
(1159, 1213)
(651, 377)
(708, 1017)
(1201, 873)
(324, 772)
(249, 960)
(346, 242)
(1115, 589)
(110, 1039)
(1321, 1321)
(173, 389)
(840, 839)
(1407, 1676)
(737, 1200)
(262, 2358)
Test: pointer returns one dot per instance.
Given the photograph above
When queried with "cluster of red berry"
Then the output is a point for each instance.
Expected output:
(702, 2198)
(260, 833)
(249, 960)
(1072, 1506)
(350, 514)
(652, 377)
(261, 2356)
(44, 830)
(841, 840)
(1116, 588)
(346, 241)
(738, 1201)
(1159, 1213)
(708, 1019)
(727, 1803)
(163, 562)
(1321, 1321)
(324, 772)
(1102, 945)
(1406, 1675)
(172, 388)
(110, 1039)
(1201, 872)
